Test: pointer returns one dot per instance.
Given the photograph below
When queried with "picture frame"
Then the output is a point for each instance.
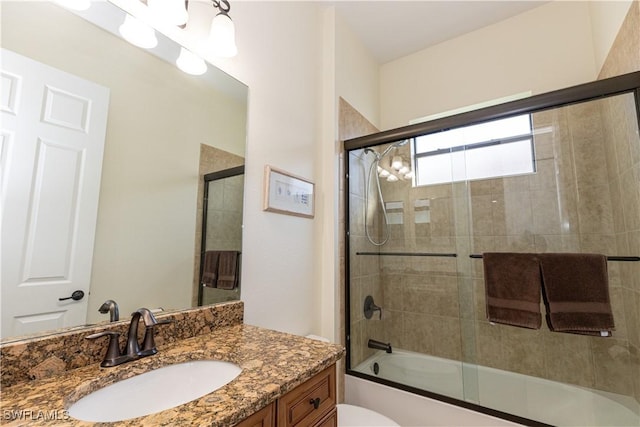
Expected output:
(288, 194)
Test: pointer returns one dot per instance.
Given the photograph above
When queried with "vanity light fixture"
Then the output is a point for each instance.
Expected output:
(138, 33)
(191, 63)
(172, 11)
(222, 36)
(219, 37)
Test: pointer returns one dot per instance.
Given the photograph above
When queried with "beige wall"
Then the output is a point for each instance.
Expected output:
(158, 117)
(607, 18)
(541, 50)
(279, 58)
(357, 73)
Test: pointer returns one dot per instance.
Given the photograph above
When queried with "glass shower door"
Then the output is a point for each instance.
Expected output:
(566, 180)
(221, 237)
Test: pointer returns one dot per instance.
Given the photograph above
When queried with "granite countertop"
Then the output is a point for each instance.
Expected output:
(272, 363)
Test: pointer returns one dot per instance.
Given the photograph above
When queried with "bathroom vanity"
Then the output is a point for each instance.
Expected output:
(312, 403)
(286, 380)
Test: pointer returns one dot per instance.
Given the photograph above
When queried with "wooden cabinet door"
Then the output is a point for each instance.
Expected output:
(330, 420)
(265, 417)
(310, 402)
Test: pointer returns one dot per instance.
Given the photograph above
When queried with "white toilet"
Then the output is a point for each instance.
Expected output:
(352, 416)
(357, 416)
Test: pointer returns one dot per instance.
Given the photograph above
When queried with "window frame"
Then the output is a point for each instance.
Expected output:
(473, 146)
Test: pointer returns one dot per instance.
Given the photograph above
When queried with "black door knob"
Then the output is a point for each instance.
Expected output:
(76, 296)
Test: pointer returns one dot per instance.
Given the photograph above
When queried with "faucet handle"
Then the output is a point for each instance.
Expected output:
(370, 307)
(113, 354)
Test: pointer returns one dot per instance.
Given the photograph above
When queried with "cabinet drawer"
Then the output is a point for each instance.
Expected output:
(309, 402)
(265, 417)
(330, 420)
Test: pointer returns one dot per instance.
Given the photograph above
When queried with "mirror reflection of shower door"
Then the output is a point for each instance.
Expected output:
(221, 251)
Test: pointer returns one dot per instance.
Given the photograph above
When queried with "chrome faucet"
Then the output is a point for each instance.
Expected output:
(111, 307)
(132, 350)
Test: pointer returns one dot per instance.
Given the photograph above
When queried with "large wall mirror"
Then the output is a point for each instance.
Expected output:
(164, 131)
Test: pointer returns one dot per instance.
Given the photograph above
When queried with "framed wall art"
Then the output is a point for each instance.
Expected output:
(288, 194)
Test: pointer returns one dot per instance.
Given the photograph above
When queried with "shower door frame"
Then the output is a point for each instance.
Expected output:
(625, 83)
(213, 176)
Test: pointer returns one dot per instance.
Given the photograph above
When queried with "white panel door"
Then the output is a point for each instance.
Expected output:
(52, 140)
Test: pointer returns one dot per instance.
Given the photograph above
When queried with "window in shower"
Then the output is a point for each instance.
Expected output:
(487, 150)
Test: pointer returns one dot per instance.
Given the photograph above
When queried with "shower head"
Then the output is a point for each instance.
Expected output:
(386, 151)
(394, 146)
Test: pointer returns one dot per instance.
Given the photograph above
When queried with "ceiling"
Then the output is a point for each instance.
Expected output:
(393, 29)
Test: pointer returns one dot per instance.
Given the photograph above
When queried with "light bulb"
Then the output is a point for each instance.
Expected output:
(171, 11)
(384, 173)
(223, 36)
(75, 4)
(199, 25)
(191, 63)
(138, 33)
(396, 163)
(404, 169)
(392, 178)
(408, 175)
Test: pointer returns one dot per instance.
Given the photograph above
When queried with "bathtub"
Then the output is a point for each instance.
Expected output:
(522, 395)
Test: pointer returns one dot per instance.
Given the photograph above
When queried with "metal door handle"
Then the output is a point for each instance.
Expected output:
(76, 296)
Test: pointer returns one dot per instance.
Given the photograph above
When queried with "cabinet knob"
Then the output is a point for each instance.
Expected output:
(315, 402)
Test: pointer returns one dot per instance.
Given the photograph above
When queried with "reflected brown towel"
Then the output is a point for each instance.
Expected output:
(512, 288)
(576, 291)
(228, 269)
(210, 268)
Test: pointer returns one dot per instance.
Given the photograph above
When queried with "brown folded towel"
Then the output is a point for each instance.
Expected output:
(576, 293)
(228, 269)
(512, 288)
(210, 268)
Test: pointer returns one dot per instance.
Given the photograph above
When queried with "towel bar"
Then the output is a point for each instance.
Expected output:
(408, 254)
(609, 258)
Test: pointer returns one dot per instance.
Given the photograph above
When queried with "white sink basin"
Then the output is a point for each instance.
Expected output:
(154, 391)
